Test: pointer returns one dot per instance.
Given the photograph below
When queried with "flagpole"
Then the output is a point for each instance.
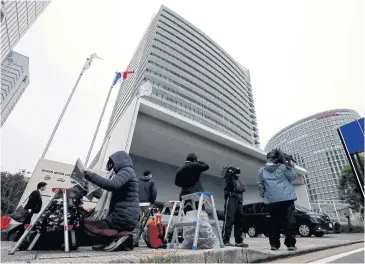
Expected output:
(100, 119)
(86, 66)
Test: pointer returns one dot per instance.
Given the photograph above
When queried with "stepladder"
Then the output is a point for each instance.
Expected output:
(202, 198)
(34, 230)
(171, 207)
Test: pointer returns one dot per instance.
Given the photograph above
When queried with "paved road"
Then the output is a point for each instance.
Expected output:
(353, 256)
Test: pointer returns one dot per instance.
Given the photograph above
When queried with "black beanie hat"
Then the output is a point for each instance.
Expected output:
(191, 157)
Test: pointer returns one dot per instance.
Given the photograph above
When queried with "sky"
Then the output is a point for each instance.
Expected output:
(304, 57)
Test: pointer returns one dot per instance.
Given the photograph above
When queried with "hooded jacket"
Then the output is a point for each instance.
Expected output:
(124, 205)
(147, 190)
(276, 183)
(188, 176)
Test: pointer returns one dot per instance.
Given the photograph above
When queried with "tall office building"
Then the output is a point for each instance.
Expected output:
(315, 144)
(14, 80)
(192, 76)
(16, 18)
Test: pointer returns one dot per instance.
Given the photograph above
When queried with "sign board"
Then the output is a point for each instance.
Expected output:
(55, 174)
(353, 136)
(327, 115)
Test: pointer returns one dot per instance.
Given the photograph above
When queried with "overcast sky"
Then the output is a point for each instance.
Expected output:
(304, 57)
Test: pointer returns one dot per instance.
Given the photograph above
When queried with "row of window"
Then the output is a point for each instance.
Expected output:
(195, 84)
(192, 91)
(216, 74)
(206, 58)
(233, 67)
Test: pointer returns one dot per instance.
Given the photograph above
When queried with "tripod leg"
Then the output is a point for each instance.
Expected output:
(144, 221)
(65, 220)
(26, 232)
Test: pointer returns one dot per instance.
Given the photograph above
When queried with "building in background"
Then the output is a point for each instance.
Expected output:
(16, 19)
(14, 80)
(192, 76)
(316, 146)
(200, 101)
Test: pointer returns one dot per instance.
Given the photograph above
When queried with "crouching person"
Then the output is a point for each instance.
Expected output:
(123, 206)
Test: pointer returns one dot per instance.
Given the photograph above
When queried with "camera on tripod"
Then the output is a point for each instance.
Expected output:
(278, 156)
(230, 170)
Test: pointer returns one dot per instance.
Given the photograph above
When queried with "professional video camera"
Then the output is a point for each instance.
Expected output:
(278, 156)
(230, 170)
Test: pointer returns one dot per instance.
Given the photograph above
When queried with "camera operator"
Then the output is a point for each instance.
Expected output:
(188, 178)
(233, 210)
(276, 187)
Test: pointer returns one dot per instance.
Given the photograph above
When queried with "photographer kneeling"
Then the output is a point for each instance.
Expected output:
(275, 184)
(233, 210)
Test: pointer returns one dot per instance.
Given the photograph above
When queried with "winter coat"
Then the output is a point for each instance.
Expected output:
(124, 205)
(276, 183)
(234, 187)
(34, 202)
(147, 190)
(188, 177)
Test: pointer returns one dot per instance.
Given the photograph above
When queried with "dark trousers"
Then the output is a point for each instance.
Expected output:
(282, 217)
(233, 215)
(21, 229)
(88, 237)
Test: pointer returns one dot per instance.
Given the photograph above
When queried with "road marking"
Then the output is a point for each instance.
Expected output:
(332, 258)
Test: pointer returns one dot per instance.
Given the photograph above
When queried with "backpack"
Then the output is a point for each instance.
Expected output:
(156, 235)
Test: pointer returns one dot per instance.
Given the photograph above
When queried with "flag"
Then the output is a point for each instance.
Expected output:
(118, 77)
(89, 60)
(145, 89)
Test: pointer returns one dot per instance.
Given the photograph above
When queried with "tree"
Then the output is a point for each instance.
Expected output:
(12, 188)
(348, 187)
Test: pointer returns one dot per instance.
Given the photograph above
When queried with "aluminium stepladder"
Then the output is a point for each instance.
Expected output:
(195, 197)
(172, 206)
(66, 229)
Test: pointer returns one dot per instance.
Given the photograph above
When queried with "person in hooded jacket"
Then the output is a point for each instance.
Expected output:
(233, 210)
(188, 178)
(275, 184)
(124, 205)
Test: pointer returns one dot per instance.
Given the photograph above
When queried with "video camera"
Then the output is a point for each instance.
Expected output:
(278, 156)
(230, 170)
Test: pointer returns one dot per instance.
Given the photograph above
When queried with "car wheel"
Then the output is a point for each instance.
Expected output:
(304, 231)
(319, 234)
(251, 231)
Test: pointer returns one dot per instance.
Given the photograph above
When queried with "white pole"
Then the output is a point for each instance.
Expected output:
(63, 111)
(100, 119)
(338, 219)
(319, 207)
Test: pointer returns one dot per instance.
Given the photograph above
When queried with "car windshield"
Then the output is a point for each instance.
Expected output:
(301, 208)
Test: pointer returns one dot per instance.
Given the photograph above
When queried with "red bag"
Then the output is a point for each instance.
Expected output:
(156, 235)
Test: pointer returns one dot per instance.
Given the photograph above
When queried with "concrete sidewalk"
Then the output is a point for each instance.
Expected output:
(258, 251)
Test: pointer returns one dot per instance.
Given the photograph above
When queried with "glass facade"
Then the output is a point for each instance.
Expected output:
(316, 146)
(16, 18)
(192, 76)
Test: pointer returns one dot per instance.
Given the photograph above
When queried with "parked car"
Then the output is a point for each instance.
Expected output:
(257, 221)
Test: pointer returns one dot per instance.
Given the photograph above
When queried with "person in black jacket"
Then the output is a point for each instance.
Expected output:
(147, 189)
(34, 206)
(124, 205)
(233, 210)
(188, 178)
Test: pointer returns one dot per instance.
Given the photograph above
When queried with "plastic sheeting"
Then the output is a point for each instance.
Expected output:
(206, 237)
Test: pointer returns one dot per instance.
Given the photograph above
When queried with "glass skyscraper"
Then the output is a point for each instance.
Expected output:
(192, 76)
(316, 146)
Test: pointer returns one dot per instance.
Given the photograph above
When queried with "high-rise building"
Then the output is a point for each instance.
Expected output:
(16, 19)
(316, 146)
(14, 80)
(200, 101)
(192, 76)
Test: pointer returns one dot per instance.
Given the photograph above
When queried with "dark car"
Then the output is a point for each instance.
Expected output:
(257, 221)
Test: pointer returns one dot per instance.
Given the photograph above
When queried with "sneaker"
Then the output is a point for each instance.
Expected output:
(292, 248)
(98, 247)
(274, 248)
(244, 245)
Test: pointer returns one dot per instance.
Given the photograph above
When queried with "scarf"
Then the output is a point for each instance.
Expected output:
(102, 207)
